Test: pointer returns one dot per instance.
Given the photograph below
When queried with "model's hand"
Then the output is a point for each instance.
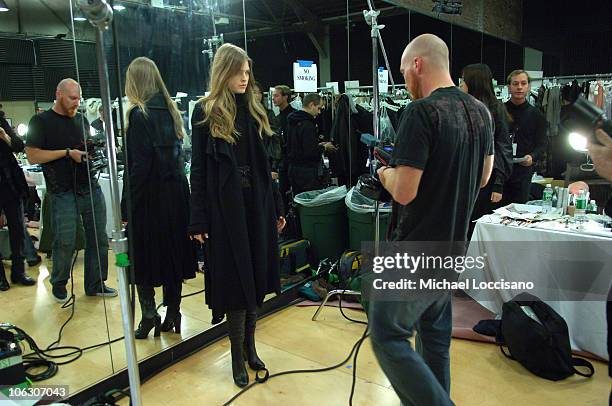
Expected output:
(4, 136)
(77, 156)
(528, 161)
(280, 224)
(199, 237)
(496, 197)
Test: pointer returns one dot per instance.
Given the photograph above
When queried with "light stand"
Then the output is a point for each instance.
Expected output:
(371, 17)
(213, 43)
(100, 15)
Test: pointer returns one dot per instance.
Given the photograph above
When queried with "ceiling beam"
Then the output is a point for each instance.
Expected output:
(317, 32)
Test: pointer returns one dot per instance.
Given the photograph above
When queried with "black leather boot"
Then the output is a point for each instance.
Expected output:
(172, 299)
(150, 318)
(250, 353)
(172, 321)
(4, 285)
(235, 327)
(145, 326)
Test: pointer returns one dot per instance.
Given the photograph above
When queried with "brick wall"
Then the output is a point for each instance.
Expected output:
(499, 18)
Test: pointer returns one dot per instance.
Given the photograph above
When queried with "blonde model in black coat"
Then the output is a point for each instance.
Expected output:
(159, 197)
(233, 207)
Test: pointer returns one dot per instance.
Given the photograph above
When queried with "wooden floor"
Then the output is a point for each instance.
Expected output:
(34, 310)
(481, 375)
(286, 340)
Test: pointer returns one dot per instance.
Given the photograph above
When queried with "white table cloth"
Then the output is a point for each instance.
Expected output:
(534, 254)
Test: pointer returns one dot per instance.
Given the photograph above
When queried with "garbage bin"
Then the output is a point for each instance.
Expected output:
(362, 219)
(324, 222)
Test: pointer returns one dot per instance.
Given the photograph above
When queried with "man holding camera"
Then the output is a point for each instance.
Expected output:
(55, 139)
(601, 153)
(442, 157)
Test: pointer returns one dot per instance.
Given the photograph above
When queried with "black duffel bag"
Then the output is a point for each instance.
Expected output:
(538, 338)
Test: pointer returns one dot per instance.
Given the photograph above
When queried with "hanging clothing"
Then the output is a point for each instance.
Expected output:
(552, 106)
(350, 122)
(599, 96)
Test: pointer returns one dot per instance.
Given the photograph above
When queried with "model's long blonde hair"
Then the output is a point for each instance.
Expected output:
(142, 82)
(219, 106)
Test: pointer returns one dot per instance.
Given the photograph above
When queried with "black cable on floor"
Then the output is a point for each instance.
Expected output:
(361, 340)
(345, 316)
(299, 371)
(193, 294)
(70, 303)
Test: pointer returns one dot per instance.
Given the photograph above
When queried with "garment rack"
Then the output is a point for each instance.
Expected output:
(572, 77)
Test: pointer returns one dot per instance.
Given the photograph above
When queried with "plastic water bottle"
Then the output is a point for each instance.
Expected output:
(581, 204)
(547, 199)
(592, 207)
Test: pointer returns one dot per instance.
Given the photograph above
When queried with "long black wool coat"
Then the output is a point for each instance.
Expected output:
(242, 264)
(163, 253)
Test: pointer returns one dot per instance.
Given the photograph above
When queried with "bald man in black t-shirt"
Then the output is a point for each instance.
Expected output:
(53, 138)
(442, 157)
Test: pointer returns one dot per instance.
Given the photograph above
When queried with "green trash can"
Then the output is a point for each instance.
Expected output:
(323, 220)
(362, 221)
(363, 225)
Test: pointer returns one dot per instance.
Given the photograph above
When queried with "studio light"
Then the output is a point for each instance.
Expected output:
(3, 6)
(78, 16)
(22, 130)
(577, 141)
(118, 7)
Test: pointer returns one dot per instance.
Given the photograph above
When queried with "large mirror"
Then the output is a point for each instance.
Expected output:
(46, 44)
(50, 40)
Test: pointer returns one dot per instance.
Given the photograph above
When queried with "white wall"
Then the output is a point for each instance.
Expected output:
(19, 111)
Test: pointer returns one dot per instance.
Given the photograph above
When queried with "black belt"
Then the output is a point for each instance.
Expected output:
(245, 176)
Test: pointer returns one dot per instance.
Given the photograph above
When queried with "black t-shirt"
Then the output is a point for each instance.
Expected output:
(447, 135)
(52, 131)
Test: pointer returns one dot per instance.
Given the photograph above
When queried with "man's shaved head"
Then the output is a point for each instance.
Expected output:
(424, 63)
(67, 97)
(67, 84)
(429, 47)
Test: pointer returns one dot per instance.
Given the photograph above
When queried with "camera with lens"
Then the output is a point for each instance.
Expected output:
(369, 185)
(96, 154)
(587, 115)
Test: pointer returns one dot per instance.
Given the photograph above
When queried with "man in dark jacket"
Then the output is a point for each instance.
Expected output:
(528, 133)
(281, 98)
(303, 147)
(13, 190)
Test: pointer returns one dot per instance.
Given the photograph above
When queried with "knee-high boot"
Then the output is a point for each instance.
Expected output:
(4, 285)
(235, 327)
(250, 353)
(150, 318)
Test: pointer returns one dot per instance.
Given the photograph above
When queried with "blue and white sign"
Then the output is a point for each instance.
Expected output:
(305, 77)
(383, 80)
